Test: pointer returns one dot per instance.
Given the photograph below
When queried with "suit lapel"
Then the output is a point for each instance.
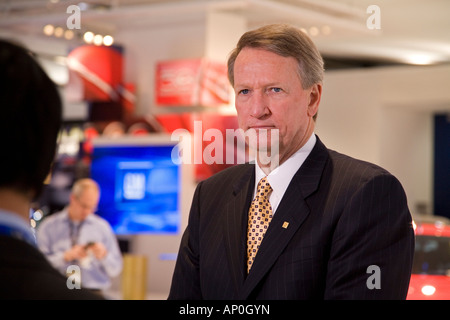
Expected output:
(235, 225)
(293, 209)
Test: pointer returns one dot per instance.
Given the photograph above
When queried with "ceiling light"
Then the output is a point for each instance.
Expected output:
(420, 59)
(314, 31)
(59, 32)
(48, 29)
(68, 34)
(108, 40)
(98, 39)
(88, 37)
(326, 30)
(83, 6)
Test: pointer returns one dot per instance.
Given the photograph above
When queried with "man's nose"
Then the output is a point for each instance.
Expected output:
(259, 105)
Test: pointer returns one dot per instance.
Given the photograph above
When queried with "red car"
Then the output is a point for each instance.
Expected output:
(430, 278)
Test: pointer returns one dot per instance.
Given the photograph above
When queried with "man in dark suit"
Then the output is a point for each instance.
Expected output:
(29, 124)
(338, 228)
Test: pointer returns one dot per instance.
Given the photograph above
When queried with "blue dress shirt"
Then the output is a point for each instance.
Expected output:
(54, 238)
(14, 226)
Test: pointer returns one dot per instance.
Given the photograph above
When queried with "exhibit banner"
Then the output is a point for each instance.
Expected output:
(95, 73)
(192, 83)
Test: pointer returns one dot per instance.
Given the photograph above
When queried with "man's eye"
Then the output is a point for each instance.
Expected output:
(244, 91)
(276, 89)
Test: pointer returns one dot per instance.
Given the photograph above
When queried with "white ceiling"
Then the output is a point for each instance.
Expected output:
(412, 31)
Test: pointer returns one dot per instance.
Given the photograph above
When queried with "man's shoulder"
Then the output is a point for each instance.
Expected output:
(45, 281)
(353, 168)
(53, 218)
(99, 221)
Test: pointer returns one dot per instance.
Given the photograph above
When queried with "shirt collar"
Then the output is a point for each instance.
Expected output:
(13, 222)
(65, 211)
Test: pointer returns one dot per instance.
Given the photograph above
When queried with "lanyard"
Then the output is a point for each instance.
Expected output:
(18, 234)
(75, 232)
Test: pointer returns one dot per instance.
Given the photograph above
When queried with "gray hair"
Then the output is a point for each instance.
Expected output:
(286, 41)
(81, 185)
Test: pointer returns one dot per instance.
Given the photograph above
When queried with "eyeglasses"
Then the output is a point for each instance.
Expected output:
(85, 206)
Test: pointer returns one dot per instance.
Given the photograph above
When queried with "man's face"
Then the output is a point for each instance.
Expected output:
(269, 95)
(83, 205)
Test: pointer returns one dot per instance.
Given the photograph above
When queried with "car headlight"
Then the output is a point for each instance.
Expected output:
(428, 290)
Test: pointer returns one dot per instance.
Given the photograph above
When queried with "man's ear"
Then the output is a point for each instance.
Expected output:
(72, 198)
(314, 99)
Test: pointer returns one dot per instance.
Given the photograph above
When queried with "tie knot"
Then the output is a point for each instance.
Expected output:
(264, 187)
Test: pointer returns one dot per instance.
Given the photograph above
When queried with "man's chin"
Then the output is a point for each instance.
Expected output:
(266, 155)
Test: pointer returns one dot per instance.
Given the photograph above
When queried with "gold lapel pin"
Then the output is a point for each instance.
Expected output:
(285, 225)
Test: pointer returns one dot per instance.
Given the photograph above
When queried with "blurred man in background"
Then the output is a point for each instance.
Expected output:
(76, 236)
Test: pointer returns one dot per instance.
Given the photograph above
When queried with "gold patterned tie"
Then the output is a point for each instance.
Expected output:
(259, 217)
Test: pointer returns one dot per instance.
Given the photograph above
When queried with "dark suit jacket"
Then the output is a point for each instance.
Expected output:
(344, 215)
(27, 275)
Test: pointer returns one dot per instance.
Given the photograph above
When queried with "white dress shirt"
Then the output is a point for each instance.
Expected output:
(281, 177)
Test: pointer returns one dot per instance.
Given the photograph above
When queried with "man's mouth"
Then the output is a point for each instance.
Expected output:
(262, 127)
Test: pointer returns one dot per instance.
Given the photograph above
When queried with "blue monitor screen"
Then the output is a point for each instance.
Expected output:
(139, 187)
